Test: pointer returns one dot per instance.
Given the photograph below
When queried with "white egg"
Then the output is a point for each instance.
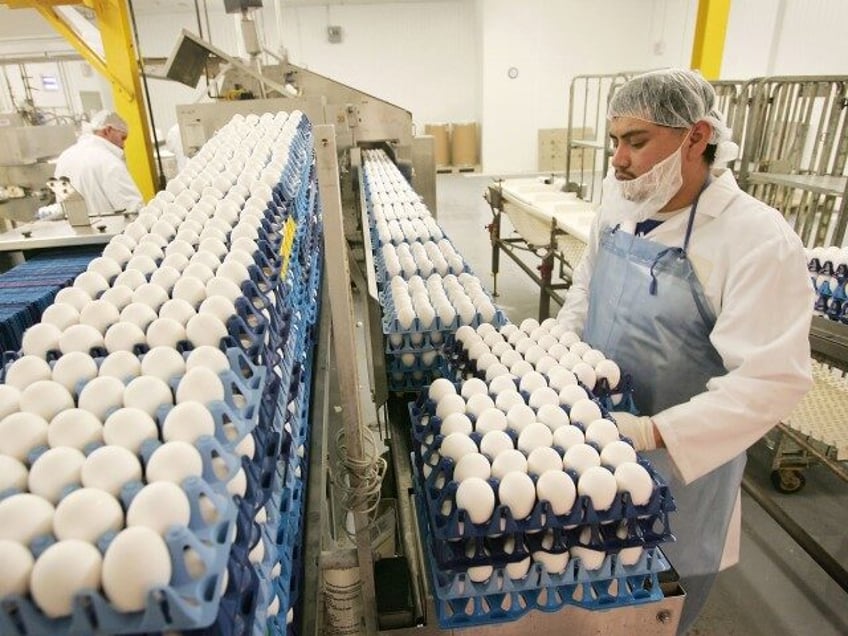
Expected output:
(542, 459)
(478, 403)
(21, 433)
(598, 484)
(191, 290)
(635, 479)
(569, 360)
(533, 436)
(531, 381)
(476, 497)
(108, 468)
(456, 423)
(173, 461)
(91, 283)
(150, 294)
(557, 488)
(238, 484)
(585, 373)
(609, 371)
(101, 395)
(123, 365)
(509, 461)
(208, 357)
(450, 403)
(501, 383)
(490, 419)
(130, 428)
(494, 443)
(10, 400)
(74, 428)
(60, 572)
(553, 416)
(474, 386)
(176, 261)
(73, 368)
(86, 514)
(82, 338)
(589, 558)
(163, 362)
(17, 567)
(139, 314)
(219, 306)
(519, 417)
(188, 421)
(497, 370)
(572, 394)
(165, 332)
(61, 316)
(158, 506)
(522, 368)
(13, 474)
(205, 329)
(439, 388)
(517, 492)
(136, 561)
(148, 393)
(584, 412)
(507, 399)
(516, 570)
(553, 562)
(616, 453)
(592, 357)
(124, 336)
(73, 296)
(581, 457)
(472, 465)
(107, 267)
(200, 384)
(543, 396)
(177, 309)
(545, 364)
(565, 437)
(560, 377)
(456, 445)
(53, 471)
(132, 278)
(26, 370)
(25, 516)
(601, 432)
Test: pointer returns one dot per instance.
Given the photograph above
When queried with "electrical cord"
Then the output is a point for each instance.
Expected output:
(359, 480)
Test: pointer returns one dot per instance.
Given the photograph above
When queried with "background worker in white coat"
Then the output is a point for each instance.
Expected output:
(701, 293)
(96, 167)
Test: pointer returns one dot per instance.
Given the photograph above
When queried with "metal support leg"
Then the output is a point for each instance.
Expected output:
(495, 201)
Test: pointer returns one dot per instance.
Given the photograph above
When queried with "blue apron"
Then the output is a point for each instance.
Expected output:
(649, 313)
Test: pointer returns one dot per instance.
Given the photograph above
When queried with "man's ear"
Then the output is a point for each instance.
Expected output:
(699, 138)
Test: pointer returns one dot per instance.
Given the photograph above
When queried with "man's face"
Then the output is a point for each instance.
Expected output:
(639, 145)
(117, 137)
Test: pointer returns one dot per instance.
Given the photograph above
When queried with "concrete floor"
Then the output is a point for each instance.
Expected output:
(777, 589)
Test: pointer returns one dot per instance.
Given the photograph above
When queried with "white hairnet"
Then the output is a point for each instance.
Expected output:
(677, 98)
(106, 118)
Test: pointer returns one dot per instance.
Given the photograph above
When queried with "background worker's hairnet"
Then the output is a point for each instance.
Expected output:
(677, 98)
(106, 118)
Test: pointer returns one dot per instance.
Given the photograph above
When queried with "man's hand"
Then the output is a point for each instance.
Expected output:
(639, 429)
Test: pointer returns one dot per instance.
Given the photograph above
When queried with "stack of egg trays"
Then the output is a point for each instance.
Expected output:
(461, 602)
(186, 603)
(828, 281)
(648, 525)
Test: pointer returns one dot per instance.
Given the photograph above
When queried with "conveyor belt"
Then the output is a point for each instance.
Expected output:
(823, 413)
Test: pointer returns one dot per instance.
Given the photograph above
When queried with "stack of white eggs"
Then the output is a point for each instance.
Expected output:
(520, 438)
(74, 425)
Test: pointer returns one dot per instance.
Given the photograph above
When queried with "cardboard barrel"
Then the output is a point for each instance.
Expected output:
(441, 143)
(464, 144)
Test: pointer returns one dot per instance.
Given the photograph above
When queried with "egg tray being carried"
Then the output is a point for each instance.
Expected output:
(438, 491)
(461, 602)
(619, 398)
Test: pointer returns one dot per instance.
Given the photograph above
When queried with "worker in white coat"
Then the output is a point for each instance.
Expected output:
(701, 294)
(96, 168)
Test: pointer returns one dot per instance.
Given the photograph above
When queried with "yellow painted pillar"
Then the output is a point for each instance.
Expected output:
(119, 65)
(710, 32)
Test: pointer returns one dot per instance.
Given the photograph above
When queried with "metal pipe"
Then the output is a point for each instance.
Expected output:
(827, 563)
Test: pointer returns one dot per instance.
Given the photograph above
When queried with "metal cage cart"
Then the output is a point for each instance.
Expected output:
(795, 149)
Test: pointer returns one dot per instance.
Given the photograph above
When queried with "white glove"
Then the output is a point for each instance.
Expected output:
(638, 429)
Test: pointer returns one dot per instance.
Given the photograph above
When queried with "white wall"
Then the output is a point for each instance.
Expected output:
(551, 42)
(786, 37)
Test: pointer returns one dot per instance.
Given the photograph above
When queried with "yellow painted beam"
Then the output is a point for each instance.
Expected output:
(119, 65)
(710, 32)
(119, 48)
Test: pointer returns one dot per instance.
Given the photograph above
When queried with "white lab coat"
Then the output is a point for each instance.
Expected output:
(752, 267)
(97, 170)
